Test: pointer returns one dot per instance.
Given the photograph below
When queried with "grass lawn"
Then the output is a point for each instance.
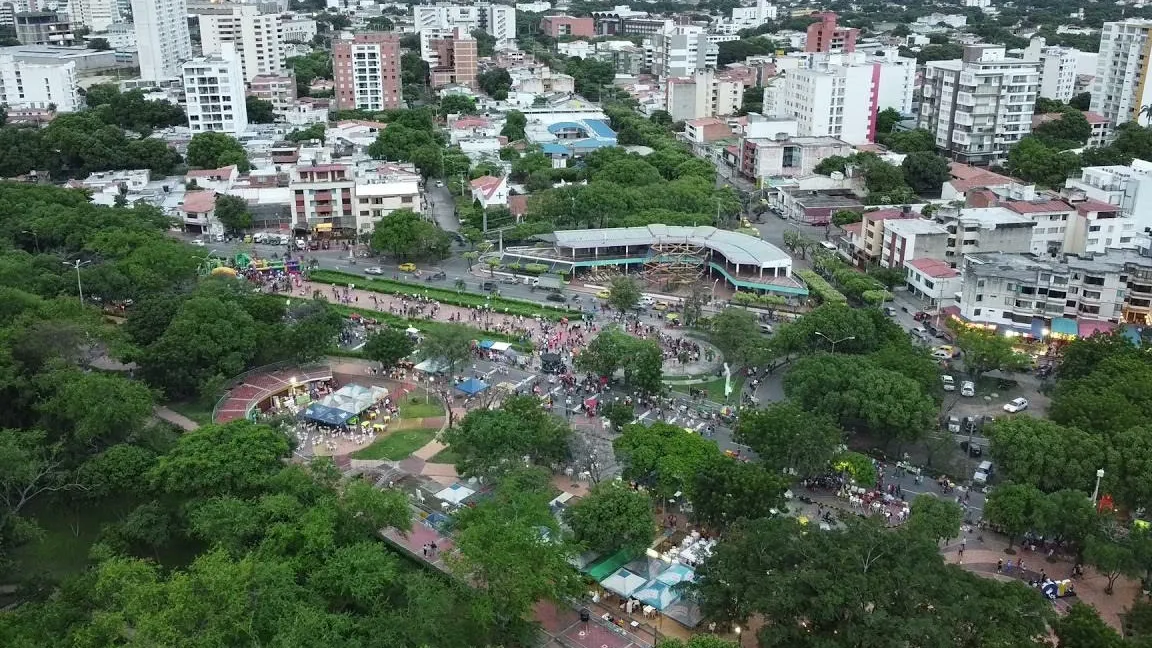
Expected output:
(714, 387)
(420, 409)
(397, 445)
(198, 411)
(62, 550)
(445, 456)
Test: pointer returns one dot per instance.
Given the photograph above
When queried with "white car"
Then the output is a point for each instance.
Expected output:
(939, 354)
(1017, 405)
(949, 383)
(954, 424)
(967, 388)
(198, 242)
(375, 270)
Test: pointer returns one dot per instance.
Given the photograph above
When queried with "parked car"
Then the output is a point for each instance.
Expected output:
(1017, 405)
(954, 424)
(555, 297)
(919, 333)
(941, 355)
(488, 285)
(967, 388)
(949, 383)
(889, 311)
(508, 280)
(198, 242)
(375, 270)
(313, 244)
(972, 449)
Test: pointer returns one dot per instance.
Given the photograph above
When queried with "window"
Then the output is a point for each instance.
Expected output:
(975, 311)
(980, 298)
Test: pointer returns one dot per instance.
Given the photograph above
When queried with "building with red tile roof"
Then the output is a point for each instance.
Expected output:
(490, 191)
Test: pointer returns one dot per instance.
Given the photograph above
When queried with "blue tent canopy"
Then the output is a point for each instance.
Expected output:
(472, 386)
(326, 415)
(486, 344)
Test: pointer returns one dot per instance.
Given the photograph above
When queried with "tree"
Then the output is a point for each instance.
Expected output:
(618, 414)
(259, 110)
(93, 410)
(1045, 454)
(511, 548)
(663, 457)
(1071, 127)
(606, 354)
(495, 83)
(661, 118)
(380, 23)
(313, 132)
(736, 51)
(213, 150)
(612, 517)
(1069, 516)
(842, 217)
(727, 491)
(514, 123)
(1113, 557)
(388, 346)
(1082, 101)
(925, 172)
(491, 442)
(790, 439)
(644, 370)
(1015, 508)
(1082, 627)
(887, 119)
(913, 141)
(485, 43)
(232, 212)
(698, 641)
(409, 236)
(623, 293)
(234, 458)
(986, 351)
(457, 104)
(935, 518)
(1033, 161)
(736, 333)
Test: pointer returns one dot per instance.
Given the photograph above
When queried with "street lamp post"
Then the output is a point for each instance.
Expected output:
(835, 342)
(1096, 490)
(77, 264)
(35, 238)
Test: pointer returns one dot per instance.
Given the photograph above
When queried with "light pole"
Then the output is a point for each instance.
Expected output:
(835, 342)
(77, 265)
(1096, 491)
(35, 237)
(739, 638)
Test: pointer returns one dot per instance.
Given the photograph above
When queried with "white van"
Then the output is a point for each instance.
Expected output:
(828, 246)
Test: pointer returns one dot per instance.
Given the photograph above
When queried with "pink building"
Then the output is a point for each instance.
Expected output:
(557, 26)
(457, 60)
(825, 36)
(366, 68)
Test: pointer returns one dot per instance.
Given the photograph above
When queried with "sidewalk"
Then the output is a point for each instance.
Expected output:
(175, 418)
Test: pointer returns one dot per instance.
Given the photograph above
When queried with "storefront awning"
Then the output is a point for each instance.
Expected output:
(1039, 328)
(1088, 328)
(1064, 326)
(323, 227)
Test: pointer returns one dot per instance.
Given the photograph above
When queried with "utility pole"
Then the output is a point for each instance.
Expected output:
(77, 264)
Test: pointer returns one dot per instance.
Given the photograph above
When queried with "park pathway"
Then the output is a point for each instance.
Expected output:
(175, 418)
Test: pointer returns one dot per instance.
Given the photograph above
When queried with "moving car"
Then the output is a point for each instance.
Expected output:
(604, 294)
(950, 350)
(375, 270)
(198, 242)
(949, 383)
(967, 388)
(508, 280)
(1017, 405)
(555, 297)
(407, 267)
(941, 355)
(488, 285)
(660, 306)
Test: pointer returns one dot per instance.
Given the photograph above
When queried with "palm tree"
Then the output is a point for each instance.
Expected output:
(1145, 111)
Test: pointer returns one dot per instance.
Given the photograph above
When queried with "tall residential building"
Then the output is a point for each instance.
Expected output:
(1057, 69)
(162, 40)
(827, 101)
(681, 50)
(366, 68)
(896, 80)
(278, 90)
(825, 36)
(214, 90)
(1127, 190)
(455, 60)
(981, 105)
(703, 95)
(557, 26)
(44, 28)
(259, 38)
(96, 15)
(1122, 86)
(499, 21)
(38, 86)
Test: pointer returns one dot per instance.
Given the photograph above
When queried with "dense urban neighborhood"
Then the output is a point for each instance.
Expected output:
(711, 324)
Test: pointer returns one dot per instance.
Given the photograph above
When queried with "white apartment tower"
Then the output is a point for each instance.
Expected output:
(833, 101)
(162, 40)
(38, 86)
(1057, 69)
(979, 106)
(499, 21)
(1122, 87)
(214, 88)
(96, 15)
(259, 39)
(681, 51)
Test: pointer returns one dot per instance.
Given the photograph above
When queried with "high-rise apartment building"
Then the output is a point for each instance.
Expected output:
(1057, 69)
(214, 90)
(981, 105)
(825, 36)
(703, 95)
(44, 28)
(455, 60)
(259, 38)
(499, 21)
(681, 50)
(366, 69)
(1122, 86)
(96, 15)
(38, 86)
(827, 101)
(162, 40)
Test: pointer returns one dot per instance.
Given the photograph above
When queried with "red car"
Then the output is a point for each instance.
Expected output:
(920, 316)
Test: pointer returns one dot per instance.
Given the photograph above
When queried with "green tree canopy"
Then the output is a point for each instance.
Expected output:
(407, 235)
(611, 517)
(214, 150)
